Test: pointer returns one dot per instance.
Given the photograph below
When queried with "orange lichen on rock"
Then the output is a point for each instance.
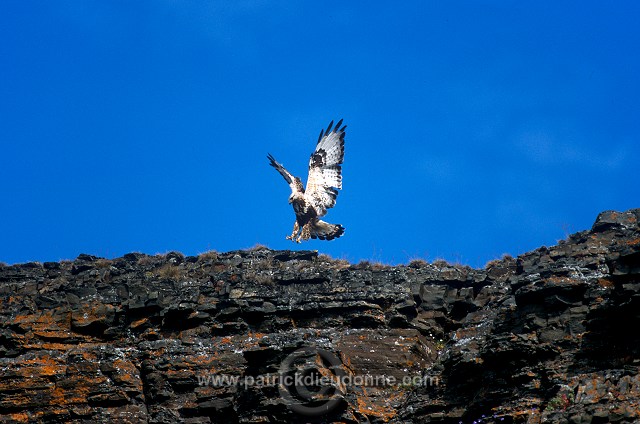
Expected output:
(603, 282)
(633, 242)
(21, 417)
(372, 407)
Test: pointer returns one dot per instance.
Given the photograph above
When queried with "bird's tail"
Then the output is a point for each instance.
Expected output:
(325, 231)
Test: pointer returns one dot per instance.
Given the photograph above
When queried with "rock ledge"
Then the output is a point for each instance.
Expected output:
(550, 336)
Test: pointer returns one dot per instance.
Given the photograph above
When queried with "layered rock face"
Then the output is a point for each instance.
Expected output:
(282, 336)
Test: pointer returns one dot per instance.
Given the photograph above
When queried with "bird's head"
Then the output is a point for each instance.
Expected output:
(296, 196)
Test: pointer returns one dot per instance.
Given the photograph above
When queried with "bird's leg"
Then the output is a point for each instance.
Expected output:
(296, 228)
(305, 234)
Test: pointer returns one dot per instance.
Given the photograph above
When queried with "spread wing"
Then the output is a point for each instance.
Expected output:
(294, 182)
(325, 172)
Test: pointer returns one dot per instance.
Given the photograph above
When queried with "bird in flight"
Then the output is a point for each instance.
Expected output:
(323, 182)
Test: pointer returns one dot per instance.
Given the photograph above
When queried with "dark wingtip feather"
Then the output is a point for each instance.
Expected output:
(329, 127)
(279, 168)
(273, 162)
(328, 130)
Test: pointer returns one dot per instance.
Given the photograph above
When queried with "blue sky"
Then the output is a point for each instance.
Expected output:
(474, 128)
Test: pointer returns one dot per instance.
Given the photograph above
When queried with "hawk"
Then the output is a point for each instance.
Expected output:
(325, 177)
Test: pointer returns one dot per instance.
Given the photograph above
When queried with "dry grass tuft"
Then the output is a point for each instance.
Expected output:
(103, 263)
(266, 263)
(336, 264)
(169, 272)
(418, 263)
(257, 247)
(210, 255)
(441, 263)
(146, 260)
(506, 259)
(374, 266)
(341, 264)
(363, 264)
(259, 277)
(379, 266)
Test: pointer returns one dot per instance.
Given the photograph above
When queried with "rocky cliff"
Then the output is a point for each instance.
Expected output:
(293, 336)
